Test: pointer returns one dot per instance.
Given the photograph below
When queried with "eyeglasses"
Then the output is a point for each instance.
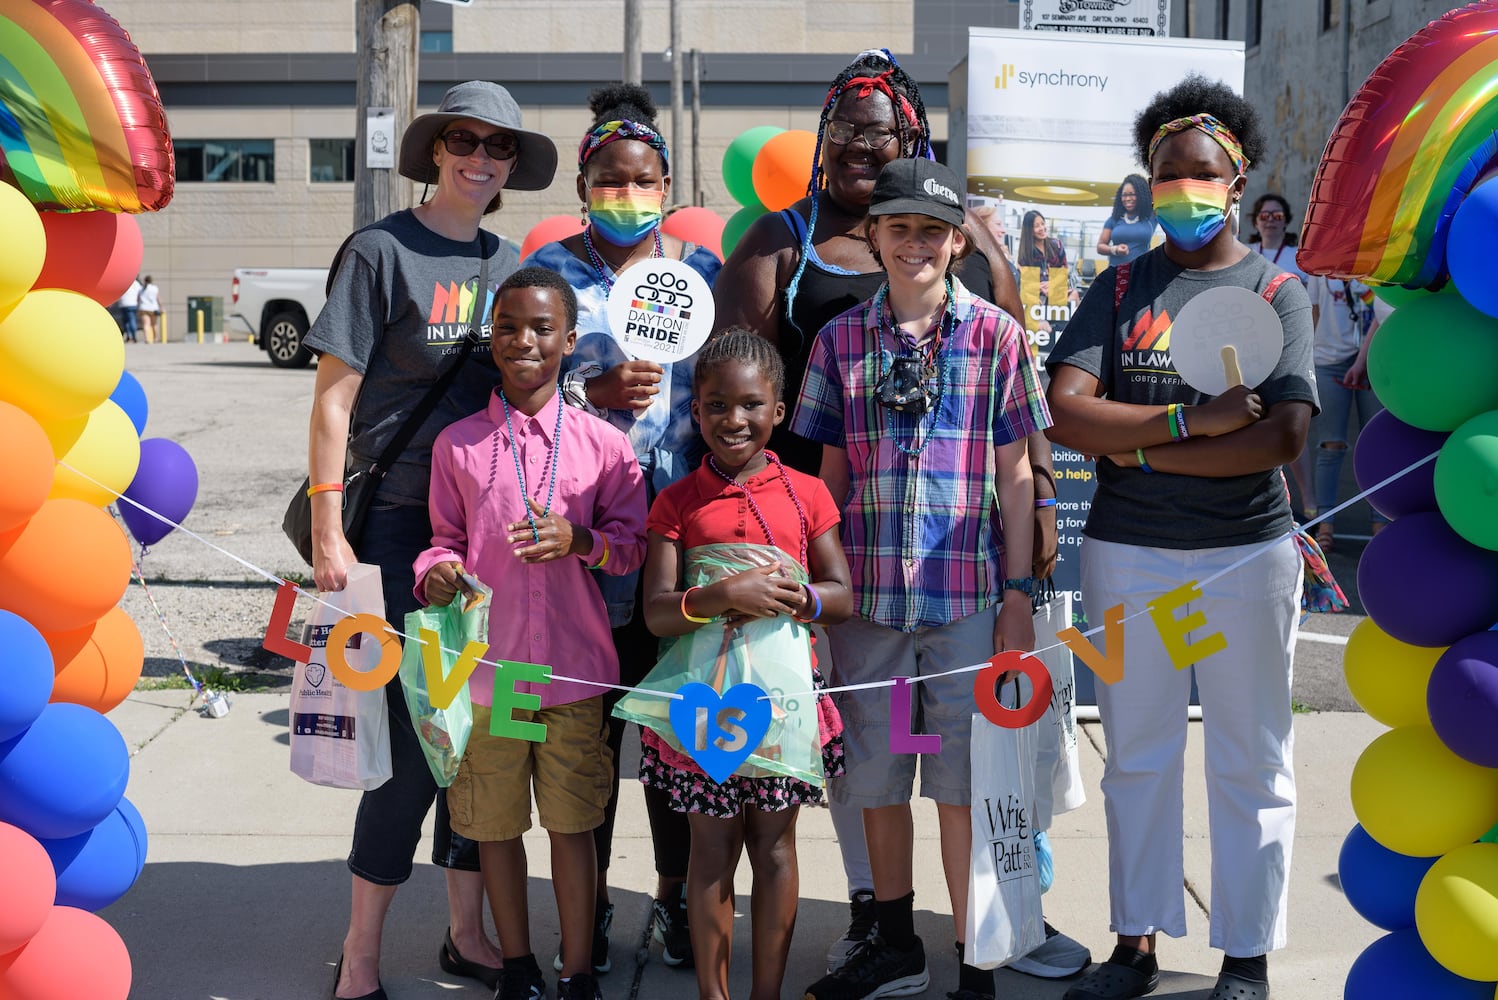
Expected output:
(1271, 216)
(874, 136)
(499, 146)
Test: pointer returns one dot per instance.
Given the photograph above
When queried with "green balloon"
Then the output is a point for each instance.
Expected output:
(1491, 837)
(1398, 295)
(737, 224)
(1432, 363)
(738, 165)
(1467, 480)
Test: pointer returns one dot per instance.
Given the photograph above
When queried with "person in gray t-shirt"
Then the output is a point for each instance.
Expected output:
(1191, 519)
(403, 295)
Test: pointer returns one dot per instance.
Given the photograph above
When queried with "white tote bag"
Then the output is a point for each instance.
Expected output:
(1004, 921)
(341, 737)
(1058, 786)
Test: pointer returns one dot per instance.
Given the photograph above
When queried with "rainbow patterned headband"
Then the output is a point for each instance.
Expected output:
(622, 129)
(1220, 134)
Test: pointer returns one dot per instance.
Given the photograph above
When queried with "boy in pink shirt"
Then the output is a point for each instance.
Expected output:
(528, 495)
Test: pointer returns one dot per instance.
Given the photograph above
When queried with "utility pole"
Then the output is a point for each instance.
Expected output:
(388, 33)
(696, 126)
(633, 70)
(676, 61)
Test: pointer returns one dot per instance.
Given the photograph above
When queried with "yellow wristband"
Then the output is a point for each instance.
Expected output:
(325, 488)
(603, 559)
(687, 614)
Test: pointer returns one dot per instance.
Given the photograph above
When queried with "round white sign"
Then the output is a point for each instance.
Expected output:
(1220, 318)
(661, 310)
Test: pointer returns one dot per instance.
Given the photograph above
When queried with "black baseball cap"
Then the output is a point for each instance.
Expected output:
(918, 187)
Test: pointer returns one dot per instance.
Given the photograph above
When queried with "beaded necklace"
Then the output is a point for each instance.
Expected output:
(551, 485)
(754, 505)
(933, 359)
(602, 269)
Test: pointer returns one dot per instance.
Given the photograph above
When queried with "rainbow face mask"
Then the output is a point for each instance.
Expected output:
(624, 216)
(1191, 211)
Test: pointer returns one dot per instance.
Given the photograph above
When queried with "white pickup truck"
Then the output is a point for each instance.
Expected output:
(278, 305)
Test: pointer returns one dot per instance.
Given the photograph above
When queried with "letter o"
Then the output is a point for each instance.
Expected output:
(390, 653)
(988, 679)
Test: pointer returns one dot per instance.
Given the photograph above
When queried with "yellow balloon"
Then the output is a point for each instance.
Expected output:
(61, 354)
(1387, 677)
(1416, 797)
(1456, 911)
(25, 243)
(102, 445)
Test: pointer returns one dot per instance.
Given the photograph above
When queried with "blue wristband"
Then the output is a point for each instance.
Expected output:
(1045, 502)
(816, 604)
(1139, 454)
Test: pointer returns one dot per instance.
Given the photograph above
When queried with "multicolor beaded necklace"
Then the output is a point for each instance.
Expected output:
(754, 505)
(602, 269)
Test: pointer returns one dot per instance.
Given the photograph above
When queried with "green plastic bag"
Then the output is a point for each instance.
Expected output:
(442, 732)
(772, 653)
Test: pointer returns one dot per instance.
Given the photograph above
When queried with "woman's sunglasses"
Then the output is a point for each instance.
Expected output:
(1271, 216)
(499, 146)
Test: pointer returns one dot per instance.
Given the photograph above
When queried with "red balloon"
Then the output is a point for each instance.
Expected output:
(549, 230)
(96, 253)
(30, 887)
(698, 225)
(75, 954)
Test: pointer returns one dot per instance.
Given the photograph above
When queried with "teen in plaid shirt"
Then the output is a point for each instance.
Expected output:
(922, 398)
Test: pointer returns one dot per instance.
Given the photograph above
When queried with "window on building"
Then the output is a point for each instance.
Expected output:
(1255, 25)
(1328, 14)
(1223, 9)
(331, 160)
(436, 41)
(250, 161)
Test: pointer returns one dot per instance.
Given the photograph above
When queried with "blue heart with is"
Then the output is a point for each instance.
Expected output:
(720, 731)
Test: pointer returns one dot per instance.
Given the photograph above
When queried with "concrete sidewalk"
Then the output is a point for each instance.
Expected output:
(245, 892)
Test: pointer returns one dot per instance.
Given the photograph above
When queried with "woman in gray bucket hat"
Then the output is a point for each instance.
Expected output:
(402, 295)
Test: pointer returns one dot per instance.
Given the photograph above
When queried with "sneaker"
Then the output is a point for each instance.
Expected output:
(863, 925)
(580, 987)
(602, 920)
(669, 928)
(874, 969)
(1059, 957)
(521, 981)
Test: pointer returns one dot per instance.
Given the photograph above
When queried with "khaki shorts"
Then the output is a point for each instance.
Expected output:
(572, 769)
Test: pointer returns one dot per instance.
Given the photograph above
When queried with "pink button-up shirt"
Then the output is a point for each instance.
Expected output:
(549, 612)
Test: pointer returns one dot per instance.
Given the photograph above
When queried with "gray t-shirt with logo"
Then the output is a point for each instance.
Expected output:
(397, 313)
(1129, 352)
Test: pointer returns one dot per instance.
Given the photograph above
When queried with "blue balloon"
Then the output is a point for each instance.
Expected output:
(1469, 247)
(26, 673)
(1379, 883)
(167, 482)
(64, 774)
(130, 397)
(98, 867)
(1397, 967)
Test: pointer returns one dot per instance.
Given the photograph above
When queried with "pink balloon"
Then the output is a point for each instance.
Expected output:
(549, 230)
(695, 224)
(30, 888)
(75, 954)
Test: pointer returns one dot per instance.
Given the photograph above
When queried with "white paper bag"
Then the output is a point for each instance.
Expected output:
(1058, 787)
(1004, 921)
(341, 737)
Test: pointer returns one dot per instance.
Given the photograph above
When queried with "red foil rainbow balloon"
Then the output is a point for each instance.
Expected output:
(1409, 146)
(81, 123)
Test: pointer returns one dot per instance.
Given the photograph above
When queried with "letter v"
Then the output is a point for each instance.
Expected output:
(442, 690)
(1110, 668)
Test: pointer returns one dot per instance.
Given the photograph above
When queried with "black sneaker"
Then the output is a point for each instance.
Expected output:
(580, 987)
(521, 980)
(863, 925)
(669, 927)
(874, 969)
(602, 920)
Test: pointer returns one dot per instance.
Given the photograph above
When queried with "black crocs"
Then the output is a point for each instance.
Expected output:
(1112, 981)
(1231, 987)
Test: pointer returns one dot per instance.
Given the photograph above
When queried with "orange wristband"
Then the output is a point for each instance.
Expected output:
(325, 488)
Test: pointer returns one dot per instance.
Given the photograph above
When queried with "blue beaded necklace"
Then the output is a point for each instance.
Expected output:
(551, 485)
(945, 327)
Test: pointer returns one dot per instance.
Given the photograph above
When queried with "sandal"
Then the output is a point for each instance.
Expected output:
(1112, 981)
(1231, 987)
(1325, 537)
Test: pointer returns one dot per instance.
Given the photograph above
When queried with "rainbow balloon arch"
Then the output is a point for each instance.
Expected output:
(1403, 199)
(83, 138)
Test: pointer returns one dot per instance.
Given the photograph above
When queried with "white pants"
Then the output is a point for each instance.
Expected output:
(1246, 721)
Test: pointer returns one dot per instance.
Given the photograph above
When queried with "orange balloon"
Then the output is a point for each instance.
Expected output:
(65, 567)
(782, 169)
(97, 665)
(26, 457)
(549, 230)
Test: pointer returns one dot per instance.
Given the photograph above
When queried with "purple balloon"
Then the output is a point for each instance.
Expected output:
(1424, 584)
(1388, 445)
(1463, 698)
(166, 482)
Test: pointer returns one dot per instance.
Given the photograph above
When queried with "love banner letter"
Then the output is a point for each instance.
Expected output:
(507, 674)
(719, 731)
(986, 685)
(276, 639)
(1173, 630)
(442, 690)
(1109, 668)
(901, 739)
(390, 653)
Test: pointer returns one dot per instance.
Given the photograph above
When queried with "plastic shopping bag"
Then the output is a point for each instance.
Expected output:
(442, 732)
(1004, 920)
(341, 737)
(1058, 774)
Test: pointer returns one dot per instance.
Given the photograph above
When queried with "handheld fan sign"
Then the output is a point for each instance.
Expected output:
(1226, 337)
(661, 310)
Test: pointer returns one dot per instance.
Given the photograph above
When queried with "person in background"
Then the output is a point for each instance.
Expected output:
(129, 306)
(148, 305)
(1131, 228)
(379, 351)
(1038, 249)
